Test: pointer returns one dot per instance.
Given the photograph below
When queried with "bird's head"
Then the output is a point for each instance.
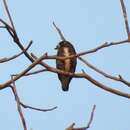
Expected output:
(63, 44)
(57, 47)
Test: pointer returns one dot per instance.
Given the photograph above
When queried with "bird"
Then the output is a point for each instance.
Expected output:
(64, 49)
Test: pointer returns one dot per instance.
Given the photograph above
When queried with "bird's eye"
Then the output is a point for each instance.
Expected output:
(58, 46)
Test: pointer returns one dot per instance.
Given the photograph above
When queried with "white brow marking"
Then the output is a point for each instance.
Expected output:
(67, 61)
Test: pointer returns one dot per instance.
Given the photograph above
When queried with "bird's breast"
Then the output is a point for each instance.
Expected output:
(67, 61)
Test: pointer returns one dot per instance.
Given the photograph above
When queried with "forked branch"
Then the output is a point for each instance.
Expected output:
(19, 104)
(3, 60)
(71, 127)
(13, 87)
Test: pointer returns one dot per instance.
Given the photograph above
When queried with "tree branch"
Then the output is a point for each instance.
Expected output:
(8, 28)
(104, 45)
(8, 13)
(119, 78)
(88, 77)
(71, 127)
(125, 18)
(12, 31)
(18, 104)
(3, 60)
(33, 72)
(59, 32)
(14, 35)
(2, 86)
(91, 117)
(77, 75)
(37, 109)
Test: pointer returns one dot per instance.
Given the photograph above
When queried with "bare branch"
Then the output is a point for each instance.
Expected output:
(105, 87)
(78, 75)
(119, 78)
(88, 77)
(71, 127)
(37, 109)
(14, 34)
(59, 32)
(91, 117)
(79, 54)
(8, 13)
(125, 18)
(11, 30)
(124, 81)
(27, 106)
(8, 27)
(104, 45)
(18, 104)
(15, 56)
(6, 24)
(33, 73)
(2, 27)
(2, 86)
(16, 39)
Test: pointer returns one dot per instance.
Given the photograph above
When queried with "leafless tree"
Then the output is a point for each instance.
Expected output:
(10, 27)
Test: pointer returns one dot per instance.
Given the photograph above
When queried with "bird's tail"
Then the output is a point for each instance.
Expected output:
(65, 84)
(65, 87)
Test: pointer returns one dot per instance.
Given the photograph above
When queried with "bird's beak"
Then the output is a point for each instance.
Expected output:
(57, 47)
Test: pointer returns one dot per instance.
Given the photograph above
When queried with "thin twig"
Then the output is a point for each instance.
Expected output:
(2, 86)
(104, 45)
(27, 106)
(3, 60)
(119, 78)
(8, 13)
(16, 39)
(59, 32)
(2, 27)
(125, 18)
(8, 28)
(14, 35)
(18, 104)
(6, 24)
(33, 72)
(37, 109)
(91, 117)
(71, 127)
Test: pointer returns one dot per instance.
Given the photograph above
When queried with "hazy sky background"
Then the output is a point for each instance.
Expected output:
(87, 24)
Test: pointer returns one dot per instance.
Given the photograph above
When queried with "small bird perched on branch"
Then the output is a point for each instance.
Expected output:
(64, 49)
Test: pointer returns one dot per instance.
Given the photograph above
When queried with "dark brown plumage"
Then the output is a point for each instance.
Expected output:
(65, 48)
